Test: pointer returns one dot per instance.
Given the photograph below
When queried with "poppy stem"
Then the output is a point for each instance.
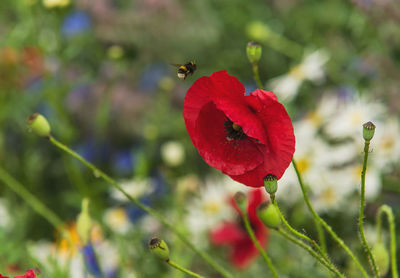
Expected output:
(297, 233)
(325, 263)
(257, 244)
(98, 173)
(184, 270)
(325, 225)
(364, 242)
(33, 202)
(392, 227)
(257, 76)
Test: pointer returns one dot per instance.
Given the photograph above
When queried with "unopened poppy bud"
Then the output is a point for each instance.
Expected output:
(84, 222)
(271, 184)
(241, 201)
(159, 248)
(39, 125)
(381, 255)
(368, 131)
(254, 52)
(269, 215)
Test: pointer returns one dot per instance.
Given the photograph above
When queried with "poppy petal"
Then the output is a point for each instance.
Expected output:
(233, 157)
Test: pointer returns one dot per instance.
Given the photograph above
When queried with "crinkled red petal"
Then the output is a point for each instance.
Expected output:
(233, 157)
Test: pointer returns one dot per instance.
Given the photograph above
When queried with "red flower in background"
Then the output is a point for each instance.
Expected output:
(234, 234)
(246, 137)
(29, 274)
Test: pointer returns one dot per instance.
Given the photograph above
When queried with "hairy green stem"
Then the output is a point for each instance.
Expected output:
(184, 270)
(371, 258)
(325, 225)
(385, 209)
(98, 173)
(257, 244)
(328, 265)
(257, 76)
(297, 233)
(320, 231)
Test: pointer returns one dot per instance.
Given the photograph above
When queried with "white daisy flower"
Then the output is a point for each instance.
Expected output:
(135, 187)
(311, 68)
(173, 153)
(117, 220)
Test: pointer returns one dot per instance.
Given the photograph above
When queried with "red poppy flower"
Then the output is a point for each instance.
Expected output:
(29, 274)
(234, 234)
(246, 137)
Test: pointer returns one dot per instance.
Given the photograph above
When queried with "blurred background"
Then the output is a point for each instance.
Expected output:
(100, 71)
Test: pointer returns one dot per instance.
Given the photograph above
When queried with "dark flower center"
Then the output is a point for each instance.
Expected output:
(233, 131)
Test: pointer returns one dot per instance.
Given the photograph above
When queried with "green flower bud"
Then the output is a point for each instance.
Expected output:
(254, 52)
(84, 222)
(241, 200)
(39, 125)
(271, 184)
(269, 215)
(381, 255)
(159, 248)
(368, 131)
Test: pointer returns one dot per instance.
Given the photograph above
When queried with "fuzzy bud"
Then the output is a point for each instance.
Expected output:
(159, 248)
(39, 125)
(271, 184)
(254, 52)
(368, 131)
(84, 222)
(241, 200)
(381, 255)
(269, 215)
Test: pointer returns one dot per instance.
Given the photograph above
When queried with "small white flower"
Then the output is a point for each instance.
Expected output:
(173, 153)
(135, 187)
(350, 117)
(211, 206)
(117, 220)
(311, 68)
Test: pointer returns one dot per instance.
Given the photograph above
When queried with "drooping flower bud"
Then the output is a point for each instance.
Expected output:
(368, 131)
(39, 125)
(254, 52)
(381, 255)
(159, 248)
(241, 200)
(269, 215)
(271, 184)
(84, 222)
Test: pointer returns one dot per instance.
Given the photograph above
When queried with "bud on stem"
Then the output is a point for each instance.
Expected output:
(39, 125)
(241, 201)
(254, 52)
(84, 222)
(159, 248)
(269, 215)
(368, 131)
(271, 184)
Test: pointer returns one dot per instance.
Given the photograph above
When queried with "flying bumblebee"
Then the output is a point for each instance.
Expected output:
(185, 70)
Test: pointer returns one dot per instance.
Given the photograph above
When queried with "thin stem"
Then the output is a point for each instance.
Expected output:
(321, 235)
(184, 270)
(98, 173)
(32, 201)
(257, 244)
(361, 217)
(392, 227)
(295, 232)
(257, 76)
(325, 225)
(328, 265)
